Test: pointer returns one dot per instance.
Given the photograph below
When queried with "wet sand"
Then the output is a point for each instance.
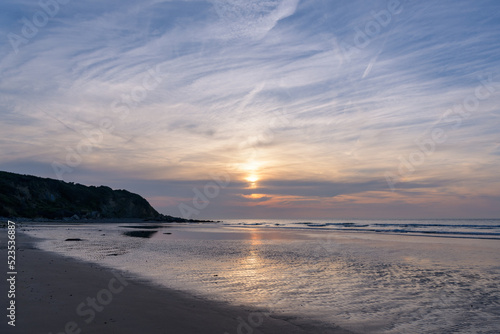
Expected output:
(57, 294)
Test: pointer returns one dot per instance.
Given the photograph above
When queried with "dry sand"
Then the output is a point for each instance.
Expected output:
(50, 289)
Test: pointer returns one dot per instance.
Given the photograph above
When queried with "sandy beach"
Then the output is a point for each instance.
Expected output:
(57, 294)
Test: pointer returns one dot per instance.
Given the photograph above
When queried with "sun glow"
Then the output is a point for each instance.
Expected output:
(252, 178)
(251, 172)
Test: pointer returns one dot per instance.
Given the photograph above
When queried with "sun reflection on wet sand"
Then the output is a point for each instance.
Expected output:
(253, 260)
(254, 274)
(251, 267)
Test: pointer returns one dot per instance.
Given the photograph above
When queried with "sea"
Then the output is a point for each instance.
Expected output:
(367, 276)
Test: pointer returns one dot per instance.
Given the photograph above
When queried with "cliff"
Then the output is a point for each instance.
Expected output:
(35, 197)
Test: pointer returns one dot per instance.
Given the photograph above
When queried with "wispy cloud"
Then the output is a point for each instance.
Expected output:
(284, 83)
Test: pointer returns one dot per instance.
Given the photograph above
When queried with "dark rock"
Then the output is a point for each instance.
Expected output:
(140, 234)
(145, 227)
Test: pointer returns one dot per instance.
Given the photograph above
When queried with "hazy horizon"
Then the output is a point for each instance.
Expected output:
(259, 109)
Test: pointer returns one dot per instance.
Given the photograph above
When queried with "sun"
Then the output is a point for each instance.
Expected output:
(250, 171)
(252, 178)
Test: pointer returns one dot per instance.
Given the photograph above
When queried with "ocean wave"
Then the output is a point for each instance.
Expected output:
(450, 228)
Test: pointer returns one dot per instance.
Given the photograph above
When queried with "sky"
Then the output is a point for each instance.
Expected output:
(259, 109)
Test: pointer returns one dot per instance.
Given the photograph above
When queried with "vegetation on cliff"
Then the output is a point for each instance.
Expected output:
(35, 197)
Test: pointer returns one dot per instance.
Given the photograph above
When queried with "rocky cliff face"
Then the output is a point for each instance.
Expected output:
(36, 197)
